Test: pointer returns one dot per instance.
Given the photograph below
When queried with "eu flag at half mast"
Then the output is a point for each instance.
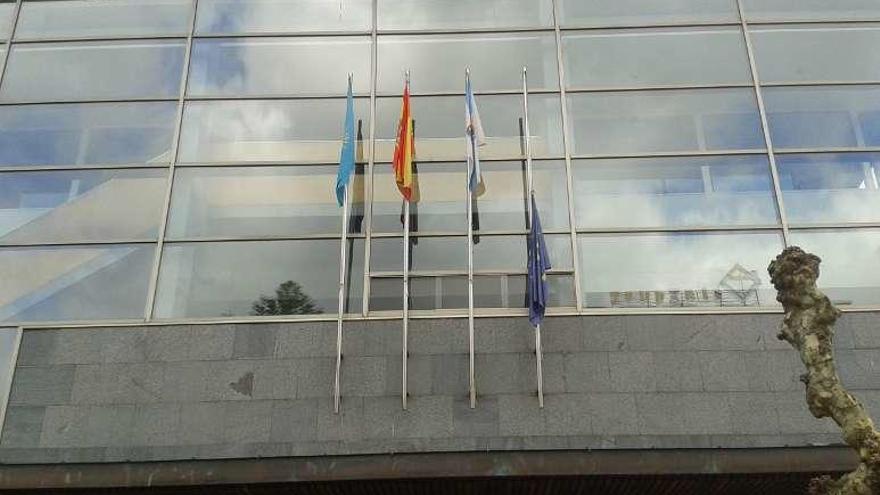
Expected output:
(475, 138)
(347, 155)
(539, 265)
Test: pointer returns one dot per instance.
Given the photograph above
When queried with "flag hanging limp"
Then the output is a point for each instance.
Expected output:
(404, 149)
(539, 265)
(347, 155)
(475, 138)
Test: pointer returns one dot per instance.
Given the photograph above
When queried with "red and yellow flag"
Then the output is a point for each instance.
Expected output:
(404, 149)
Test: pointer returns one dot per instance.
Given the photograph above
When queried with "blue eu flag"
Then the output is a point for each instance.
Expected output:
(539, 264)
(346, 156)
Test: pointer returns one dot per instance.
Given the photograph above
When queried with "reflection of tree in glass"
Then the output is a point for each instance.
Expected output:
(290, 299)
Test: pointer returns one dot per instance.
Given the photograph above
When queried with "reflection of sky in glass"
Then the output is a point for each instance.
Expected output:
(810, 10)
(224, 279)
(672, 262)
(87, 134)
(275, 66)
(667, 121)
(827, 116)
(438, 62)
(74, 283)
(786, 54)
(455, 14)
(103, 18)
(82, 205)
(94, 70)
(840, 187)
(7, 9)
(638, 58)
(266, 130)
(642, 12)
(848, 273)
(673, 192)
(277, 16)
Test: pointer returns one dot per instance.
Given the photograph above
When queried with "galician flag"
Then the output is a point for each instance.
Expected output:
(539, 264)
(473, 129)
(347, 155)
(404, 149)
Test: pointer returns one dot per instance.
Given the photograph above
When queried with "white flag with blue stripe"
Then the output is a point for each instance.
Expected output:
(475, 139)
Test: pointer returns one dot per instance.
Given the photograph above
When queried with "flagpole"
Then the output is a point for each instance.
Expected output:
(405, 351)
(538, 351)
(472, 385)
(343, 261)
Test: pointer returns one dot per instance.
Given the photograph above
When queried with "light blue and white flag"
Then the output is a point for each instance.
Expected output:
(475, 138)
(347, 155)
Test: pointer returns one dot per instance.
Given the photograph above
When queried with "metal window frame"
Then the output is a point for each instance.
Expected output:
(558, 30)
(7, 375)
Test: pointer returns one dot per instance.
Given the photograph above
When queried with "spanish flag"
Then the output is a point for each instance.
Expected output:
(405, 149)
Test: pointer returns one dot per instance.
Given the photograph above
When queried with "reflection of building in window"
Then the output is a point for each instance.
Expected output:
(738, 287)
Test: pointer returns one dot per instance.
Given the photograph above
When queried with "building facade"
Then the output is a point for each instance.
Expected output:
(170, 238)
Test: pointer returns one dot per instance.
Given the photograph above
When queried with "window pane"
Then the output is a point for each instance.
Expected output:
(93, 205)
(830, 187)
(277, 16)
(260, 201)
(637, 58)
(786, 54)
(645, 12)
(810, 10)
(677, 270)
(441, 197)
(427, 254)
(824, 117)
(74, 283)
(490, 291)
(87, 134)
(507, 253)
(673, 192)
(438, 62)
(94, 70)
(7, 10)
(279, 66)
(849, 272)
(81, 18)
(452, 14)
(665, 121)
(269, 130)
(439, 126)
(210, 279)
(503, 206)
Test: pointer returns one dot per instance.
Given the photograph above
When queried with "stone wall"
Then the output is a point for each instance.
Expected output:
(257, 390)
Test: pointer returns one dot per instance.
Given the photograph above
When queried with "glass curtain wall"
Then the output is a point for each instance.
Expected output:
(176, 159)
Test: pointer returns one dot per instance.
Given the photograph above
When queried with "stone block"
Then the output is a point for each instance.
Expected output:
(254, 341)
(446, 336)
(753, 413)
(349, 422)
(567, 414)
(126, 345)
(185, 381)
(78, 346)
(587, 372)
(167, 343)
(275, 379)
(363, 375)
(372, 338)
(294, 420)
(131, 383)
(307, 340)
(211, 342)
(201, 423)
(865, 329)
(508, 373)
(677, 371)
(504, 335)
(157, 424)
(482, 421)
(860, 368)
(632, 371)
(612, 414)
(65, 426)
(315, 377)
(795, 417)
(553, 372)
(37, 347)
(449, 375)
(42, 385)
(773, 370)
(22, 427)
(425, 417)
(109, 425)
(247, 421)
(602, 333)
(231, 380)
(519, 415)
(724, 371)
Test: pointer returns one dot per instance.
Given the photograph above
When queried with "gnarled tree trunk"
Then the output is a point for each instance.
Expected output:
(809, 327)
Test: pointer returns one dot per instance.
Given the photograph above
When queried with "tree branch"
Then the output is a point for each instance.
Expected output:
(809, 327)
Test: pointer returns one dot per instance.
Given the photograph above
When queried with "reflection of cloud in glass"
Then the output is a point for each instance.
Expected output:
(245, 16)
(434, 14)
(102, 18)
(671, 262)
(642, 12)
(850, 261)
(830, 187)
